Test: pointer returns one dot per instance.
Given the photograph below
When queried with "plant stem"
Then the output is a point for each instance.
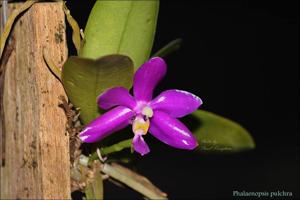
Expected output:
(112, 149)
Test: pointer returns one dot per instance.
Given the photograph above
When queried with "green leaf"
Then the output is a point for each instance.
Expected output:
(218, 134)
(84, 79)
(121, 27)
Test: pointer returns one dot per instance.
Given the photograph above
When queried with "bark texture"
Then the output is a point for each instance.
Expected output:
(34, 145)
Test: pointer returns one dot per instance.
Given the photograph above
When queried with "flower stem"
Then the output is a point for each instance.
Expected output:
(112, 149)
(168, 48)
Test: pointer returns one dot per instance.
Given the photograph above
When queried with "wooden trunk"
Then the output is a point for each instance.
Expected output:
(34, 146)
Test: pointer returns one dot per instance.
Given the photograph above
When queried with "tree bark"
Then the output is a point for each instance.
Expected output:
(34, 145)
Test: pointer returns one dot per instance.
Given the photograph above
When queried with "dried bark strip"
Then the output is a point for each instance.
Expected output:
(37, 150)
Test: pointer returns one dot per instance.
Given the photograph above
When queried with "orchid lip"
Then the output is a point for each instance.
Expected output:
(140, 125)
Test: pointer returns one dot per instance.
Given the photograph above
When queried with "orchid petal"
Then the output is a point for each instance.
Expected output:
(140, 145)
(117, 96)
(109, 122)
(176, 103)
(171, 131)
(147, 77)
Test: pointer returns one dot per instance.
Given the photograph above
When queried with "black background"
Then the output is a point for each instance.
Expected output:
(241, 58)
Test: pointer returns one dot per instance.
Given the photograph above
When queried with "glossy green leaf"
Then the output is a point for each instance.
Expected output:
(84, 79)
(122, 27)
(218, 134)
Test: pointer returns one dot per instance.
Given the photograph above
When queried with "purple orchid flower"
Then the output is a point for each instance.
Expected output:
(157, 115)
